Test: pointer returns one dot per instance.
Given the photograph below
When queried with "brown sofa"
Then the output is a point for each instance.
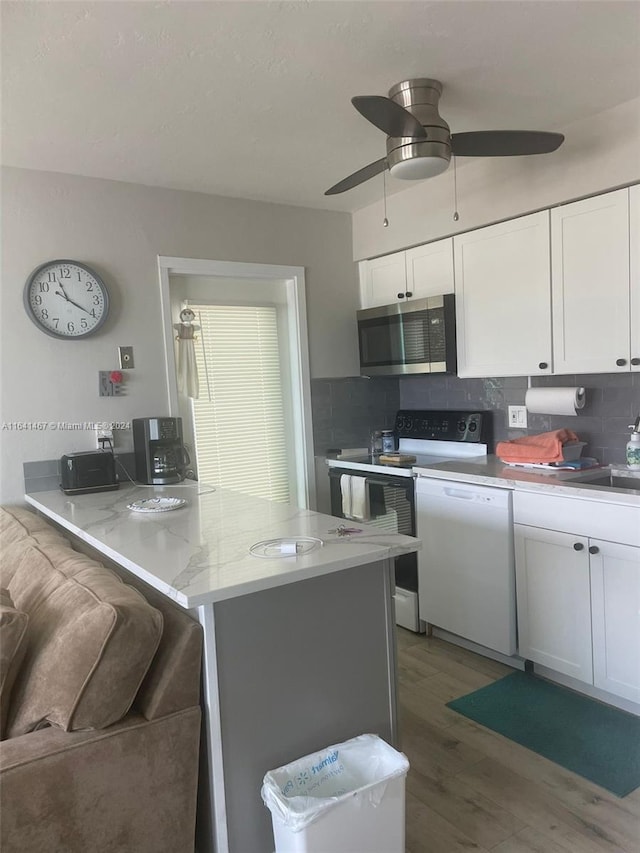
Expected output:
(99, 703)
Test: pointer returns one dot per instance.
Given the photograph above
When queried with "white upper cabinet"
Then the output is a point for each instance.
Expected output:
(634, 231)
(553, 292)
(591, 285)
(503, 298)
(415, 274)
(430, 269)
(383, 280)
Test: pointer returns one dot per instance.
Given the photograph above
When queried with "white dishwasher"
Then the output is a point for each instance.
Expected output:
(466, 568)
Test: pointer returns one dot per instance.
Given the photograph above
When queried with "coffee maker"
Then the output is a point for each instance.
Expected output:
(160, 455)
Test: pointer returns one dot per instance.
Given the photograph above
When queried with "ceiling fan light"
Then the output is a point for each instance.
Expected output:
(419, 167)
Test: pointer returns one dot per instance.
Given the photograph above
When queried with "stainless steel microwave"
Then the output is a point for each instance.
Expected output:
(418, 336)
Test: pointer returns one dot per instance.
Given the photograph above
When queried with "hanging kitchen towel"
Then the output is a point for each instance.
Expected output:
(544, 447)
(359, 499)
(345, 488)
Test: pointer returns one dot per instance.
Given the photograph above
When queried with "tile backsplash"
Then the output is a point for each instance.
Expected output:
(346, 410)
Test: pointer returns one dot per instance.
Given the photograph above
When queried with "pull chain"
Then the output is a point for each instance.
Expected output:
(385, 221)
(456, 215)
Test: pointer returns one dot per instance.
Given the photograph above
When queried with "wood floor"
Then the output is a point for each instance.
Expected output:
(470, 789)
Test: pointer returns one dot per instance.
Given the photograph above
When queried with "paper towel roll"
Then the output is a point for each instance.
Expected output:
(555, 401)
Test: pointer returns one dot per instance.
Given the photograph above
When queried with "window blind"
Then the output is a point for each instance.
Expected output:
(240, 433)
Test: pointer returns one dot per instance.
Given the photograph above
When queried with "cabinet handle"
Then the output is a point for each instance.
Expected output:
(543, 365)
(635, 361)
(593, 549)
(409, 293)
(578, 546)
(401, 296)
(621, 362)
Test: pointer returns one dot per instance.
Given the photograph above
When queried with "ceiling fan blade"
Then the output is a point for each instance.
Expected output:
(504, 143)
(388, 116)
(358, 177)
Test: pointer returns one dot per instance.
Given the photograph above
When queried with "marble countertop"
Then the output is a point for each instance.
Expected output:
(491, 471)
(199, 553)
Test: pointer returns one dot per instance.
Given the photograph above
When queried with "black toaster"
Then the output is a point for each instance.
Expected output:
(88, 471)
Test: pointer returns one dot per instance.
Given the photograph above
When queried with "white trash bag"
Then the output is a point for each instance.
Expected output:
(348, 797)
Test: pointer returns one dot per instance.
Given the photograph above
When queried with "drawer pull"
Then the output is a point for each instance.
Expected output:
(578, 546)
(635, 361)
(593, 549)
(621, 362)
(543, 365)
(401, 296)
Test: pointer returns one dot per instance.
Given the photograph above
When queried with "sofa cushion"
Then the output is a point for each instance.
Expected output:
(90, 641)
(17, 523)
(13, 627)
(18, 528)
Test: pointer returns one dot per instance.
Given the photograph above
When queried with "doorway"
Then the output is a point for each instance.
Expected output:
(228, 292)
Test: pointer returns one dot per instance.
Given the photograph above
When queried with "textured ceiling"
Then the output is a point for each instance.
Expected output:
(252, 99)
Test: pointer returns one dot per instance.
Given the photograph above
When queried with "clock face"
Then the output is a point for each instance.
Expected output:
(66, 299)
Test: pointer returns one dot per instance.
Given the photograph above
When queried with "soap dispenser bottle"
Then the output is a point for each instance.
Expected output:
(633, 446)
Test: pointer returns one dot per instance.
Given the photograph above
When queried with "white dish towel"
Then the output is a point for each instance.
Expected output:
(355, 497)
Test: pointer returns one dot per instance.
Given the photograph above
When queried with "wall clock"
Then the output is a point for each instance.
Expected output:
(66, 299)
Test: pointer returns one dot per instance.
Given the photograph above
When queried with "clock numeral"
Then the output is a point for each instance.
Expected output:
(83, 323)
(52, 277)
(71, 327)
(79, 279)
(44, 286)
(37, 300)
(56, 320)
(93, 313)
(89, 285)
(45, 314)
(65, 273)
(96, 299)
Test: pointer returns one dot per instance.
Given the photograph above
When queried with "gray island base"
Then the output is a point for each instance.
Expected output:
(299, 651)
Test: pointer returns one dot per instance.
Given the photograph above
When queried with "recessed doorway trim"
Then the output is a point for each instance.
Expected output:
(293, 278)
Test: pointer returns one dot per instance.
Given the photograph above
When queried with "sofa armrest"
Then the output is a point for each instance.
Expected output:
(129, 788)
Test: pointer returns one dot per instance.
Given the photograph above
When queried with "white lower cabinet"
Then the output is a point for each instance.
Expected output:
(615, 613)
(578, 605)
(554, 600)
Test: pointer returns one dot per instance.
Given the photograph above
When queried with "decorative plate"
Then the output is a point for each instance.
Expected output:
(156, 504)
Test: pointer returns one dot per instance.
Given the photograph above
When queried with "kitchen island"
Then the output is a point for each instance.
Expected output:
(299, 648)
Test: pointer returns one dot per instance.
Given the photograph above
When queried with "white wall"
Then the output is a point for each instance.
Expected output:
(596, 155)
(120, 229)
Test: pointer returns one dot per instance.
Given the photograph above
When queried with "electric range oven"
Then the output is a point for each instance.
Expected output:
(432, 437)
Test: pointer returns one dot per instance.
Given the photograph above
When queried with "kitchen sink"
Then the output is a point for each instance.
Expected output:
(613, 481)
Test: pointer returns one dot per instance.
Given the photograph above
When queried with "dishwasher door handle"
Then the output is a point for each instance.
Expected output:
(458, 493)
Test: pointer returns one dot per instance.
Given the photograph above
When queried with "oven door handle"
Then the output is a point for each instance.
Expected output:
(388, 484)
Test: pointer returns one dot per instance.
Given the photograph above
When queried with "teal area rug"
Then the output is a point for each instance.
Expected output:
(593, 740)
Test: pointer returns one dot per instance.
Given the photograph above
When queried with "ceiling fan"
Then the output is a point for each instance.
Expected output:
(419, 142)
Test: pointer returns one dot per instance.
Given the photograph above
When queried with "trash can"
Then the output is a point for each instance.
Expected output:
(349, 798)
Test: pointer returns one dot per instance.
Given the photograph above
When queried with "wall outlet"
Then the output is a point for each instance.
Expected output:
(517, 417)
(126, 357)
(104, 438)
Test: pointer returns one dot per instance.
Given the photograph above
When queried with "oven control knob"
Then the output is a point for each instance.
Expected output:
(473, 426)
(461, 426)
